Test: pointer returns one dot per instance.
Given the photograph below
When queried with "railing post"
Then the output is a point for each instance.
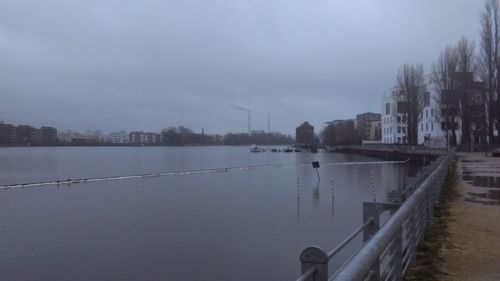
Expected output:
(371, 211)
(314, 257)
(398, 252)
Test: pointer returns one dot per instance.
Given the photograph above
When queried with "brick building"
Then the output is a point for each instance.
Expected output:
(304, 135)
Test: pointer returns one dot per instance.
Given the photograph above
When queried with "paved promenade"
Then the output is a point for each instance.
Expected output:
(473, 253)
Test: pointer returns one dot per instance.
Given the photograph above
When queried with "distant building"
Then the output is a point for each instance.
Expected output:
(340, 132)
(49, 135)
(64, 136)
(37, 137)
(26, 134)
(120, 137)
(152, 138)
(375, 130)
(70, 136)
(8, 134)
(144, 138)
(304, 135)
(365, 123)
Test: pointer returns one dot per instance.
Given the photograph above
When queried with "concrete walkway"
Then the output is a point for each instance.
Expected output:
(473, 252)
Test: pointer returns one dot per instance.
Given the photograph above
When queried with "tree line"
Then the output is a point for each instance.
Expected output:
(185, 136)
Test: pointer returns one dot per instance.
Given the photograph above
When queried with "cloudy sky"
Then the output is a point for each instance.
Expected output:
(150, 64)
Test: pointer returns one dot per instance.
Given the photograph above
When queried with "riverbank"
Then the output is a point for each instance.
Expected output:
(474, 228)
(429, 256)
(416, 155)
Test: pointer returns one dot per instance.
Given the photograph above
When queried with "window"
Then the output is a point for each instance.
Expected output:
(422, 127)
(402, 107)
(432, 112)
(432, 126)
(426, 113)
(387, 108)
(399, 130)
(427, 99)
(404, 130)
(426, 127)
(399, 119)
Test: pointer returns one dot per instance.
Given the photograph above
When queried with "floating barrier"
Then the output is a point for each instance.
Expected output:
(184, 173)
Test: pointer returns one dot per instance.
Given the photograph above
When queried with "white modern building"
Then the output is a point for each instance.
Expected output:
(394, 128)
(429, 126)
(393, 123)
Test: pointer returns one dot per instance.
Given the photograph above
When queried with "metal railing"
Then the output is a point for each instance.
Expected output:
(394, 148)
(388, 250)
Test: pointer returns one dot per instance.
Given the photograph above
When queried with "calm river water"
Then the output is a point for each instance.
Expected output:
(236, 225)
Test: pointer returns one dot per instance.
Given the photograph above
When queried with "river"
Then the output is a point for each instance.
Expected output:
(230, 225)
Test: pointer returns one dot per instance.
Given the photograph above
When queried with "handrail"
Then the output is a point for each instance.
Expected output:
(349, 238)
(359, 266)
(307, 274)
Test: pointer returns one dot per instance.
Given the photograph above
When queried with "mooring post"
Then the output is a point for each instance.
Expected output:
(314, 258)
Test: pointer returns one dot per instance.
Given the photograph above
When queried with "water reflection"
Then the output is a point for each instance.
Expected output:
(298, 199)
(315, 194)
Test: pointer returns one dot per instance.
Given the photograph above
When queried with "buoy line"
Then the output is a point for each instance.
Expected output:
(183, 173)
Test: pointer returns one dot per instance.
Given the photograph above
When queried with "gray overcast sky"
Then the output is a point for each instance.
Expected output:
(128, 64)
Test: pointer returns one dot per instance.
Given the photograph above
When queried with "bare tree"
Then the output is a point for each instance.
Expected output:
(410, 82)
(488, 62)
(465, 73)
(443, 80)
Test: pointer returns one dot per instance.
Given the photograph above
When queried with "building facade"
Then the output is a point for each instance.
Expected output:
(393, 121)
(341, 132)
(367, 125)
(48, 135)
(304, 135)
(144, 138)
(120, 137)
(27, 135)
(8, 134)
(430, 132)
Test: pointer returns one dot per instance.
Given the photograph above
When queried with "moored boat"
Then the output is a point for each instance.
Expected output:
(255, 149)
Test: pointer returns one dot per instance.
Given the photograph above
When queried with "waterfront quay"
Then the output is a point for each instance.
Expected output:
(474, 248)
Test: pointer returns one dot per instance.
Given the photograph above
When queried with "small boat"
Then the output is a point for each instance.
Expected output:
(297, 150)
(255, 149)
(314, 150)
(288, 149)
(274, 150)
